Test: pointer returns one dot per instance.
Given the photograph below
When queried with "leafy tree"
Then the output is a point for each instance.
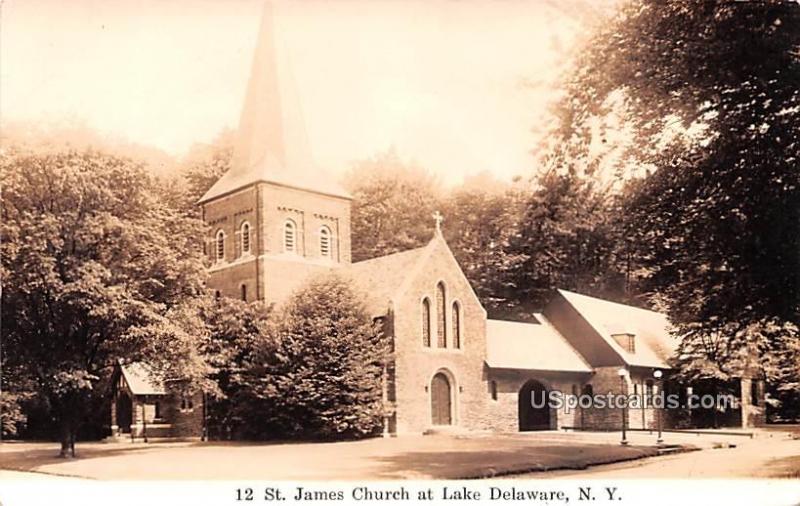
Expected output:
(237, 330)
(392, 206)
(566, 239)
(205, 165)
(12, 416)
(707, 95)
(481, 220)
(320, 376)
(96, 269)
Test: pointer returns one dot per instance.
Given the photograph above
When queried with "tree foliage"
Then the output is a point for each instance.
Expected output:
(319, 373)
(95, 269)
(392, 206)
(566, 239)
(708, 94)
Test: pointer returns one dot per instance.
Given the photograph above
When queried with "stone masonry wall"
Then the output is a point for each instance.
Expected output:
(268, 272)
(416, 364)
(504, 411)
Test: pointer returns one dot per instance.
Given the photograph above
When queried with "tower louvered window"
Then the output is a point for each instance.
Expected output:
(289, 236)
(245, 234)
(325, 247)
(220, 246)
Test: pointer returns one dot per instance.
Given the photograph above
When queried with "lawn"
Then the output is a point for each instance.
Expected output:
(420, 457)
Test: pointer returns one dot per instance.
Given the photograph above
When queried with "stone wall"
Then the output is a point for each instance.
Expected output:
(504, 411)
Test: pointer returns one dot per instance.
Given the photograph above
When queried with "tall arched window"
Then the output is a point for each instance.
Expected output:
(426, 322)
(325, 247)
(220, 249)
(289, 236)
(455, 321)
(244, 292)
(441, 308)
(244, 232)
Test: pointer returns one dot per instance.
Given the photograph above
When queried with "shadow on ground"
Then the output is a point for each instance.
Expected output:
(23, 457)
(453, 465)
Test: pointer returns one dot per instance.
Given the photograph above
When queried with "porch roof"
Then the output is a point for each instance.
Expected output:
(531, 346)
(140, 380)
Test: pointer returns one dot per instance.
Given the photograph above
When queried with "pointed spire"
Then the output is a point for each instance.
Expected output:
(271, 142)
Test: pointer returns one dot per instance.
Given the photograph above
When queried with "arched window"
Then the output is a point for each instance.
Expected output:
(426, 322)
(588, 390)
(220, 249)
(244, 292)
(289, 236)
(441, 308)
(455, 321)
(245, 237)
(325, 247)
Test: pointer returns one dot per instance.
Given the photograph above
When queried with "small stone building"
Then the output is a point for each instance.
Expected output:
(143, 408)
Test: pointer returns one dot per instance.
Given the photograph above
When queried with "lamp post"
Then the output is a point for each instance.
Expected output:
(622, 374)
(658, 374)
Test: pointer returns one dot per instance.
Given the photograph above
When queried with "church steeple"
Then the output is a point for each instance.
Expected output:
(271, 143)
(274, 218)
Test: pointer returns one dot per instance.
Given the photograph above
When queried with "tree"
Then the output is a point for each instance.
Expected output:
(392, 206)
(481, 219)
(707, 95)
(96, 270)
(566, 239)
(197, 173)
(237, 331)
(320, 376)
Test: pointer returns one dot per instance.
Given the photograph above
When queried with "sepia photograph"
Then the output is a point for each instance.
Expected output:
(351, 251)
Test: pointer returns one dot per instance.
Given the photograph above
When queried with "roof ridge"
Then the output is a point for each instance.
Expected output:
(606, 301)
(390, 255)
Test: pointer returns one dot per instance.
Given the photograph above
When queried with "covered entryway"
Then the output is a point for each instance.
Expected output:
(441, 400)
(124, 412)
(534, 412)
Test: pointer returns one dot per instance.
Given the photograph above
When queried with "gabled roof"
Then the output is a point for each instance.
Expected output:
(379, 278)
(385, 279)
(140, 380)
(271, 142)
(654, 345)
(531, 346)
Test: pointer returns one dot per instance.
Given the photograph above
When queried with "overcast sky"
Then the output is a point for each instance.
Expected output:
(460, 87)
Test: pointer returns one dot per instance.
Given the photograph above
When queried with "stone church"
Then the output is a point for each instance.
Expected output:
(275, 219)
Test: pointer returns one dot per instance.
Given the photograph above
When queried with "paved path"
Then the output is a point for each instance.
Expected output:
(757, 458)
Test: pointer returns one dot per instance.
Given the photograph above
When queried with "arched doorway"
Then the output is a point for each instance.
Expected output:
(534, 413)
(441, 400)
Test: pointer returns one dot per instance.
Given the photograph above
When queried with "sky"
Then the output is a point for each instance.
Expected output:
(457, 87)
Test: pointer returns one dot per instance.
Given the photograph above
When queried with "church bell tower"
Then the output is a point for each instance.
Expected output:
(274, 218)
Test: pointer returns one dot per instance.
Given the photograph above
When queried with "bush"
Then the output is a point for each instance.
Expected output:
(319, 373)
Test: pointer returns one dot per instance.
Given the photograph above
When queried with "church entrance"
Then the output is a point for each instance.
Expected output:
(124, 412)
(441, 401)
(534, 413)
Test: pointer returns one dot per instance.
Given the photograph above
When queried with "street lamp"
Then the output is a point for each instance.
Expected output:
(658, 374)
(622, 374)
